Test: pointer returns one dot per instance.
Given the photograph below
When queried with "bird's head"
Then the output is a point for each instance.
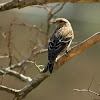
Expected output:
(60, 22)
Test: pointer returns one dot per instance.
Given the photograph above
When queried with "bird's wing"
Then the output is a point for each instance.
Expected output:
(58, 42)
(64, 34)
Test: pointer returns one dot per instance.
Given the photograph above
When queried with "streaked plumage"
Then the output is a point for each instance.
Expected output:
(61, 38)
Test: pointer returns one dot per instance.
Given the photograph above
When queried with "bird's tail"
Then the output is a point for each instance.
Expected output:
(49, 67)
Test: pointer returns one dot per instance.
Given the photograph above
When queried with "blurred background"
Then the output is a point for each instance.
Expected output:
(76, 73)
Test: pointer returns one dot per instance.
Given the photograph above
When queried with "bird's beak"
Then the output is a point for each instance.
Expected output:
(52, 22)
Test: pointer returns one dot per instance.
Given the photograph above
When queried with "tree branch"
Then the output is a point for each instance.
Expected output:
(2, 57)
(78, 49)
(62, 60)
(86, 90)
(24, 3)
(16, 74)
(10, 90)
(8, 70)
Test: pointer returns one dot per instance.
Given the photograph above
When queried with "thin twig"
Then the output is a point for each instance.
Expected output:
(49, 10)
(55, 6)
(10, 90)
(60, 8)
(8, 70)
(32, 27)
(38, 66)
(2, 78)
(90, 83)
(34, 54)
(16, 74)
(1, 57)
(85, 90)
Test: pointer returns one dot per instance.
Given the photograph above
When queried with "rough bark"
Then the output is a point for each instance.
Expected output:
(24, 3)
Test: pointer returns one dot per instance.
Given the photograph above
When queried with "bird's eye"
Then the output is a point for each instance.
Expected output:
(60, 21)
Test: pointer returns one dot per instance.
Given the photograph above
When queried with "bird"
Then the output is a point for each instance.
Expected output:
(60, 39)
